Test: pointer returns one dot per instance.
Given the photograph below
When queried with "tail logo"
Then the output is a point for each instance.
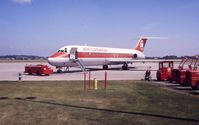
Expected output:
(141, 45)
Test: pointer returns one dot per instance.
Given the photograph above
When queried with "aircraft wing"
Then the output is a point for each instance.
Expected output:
(118, 61)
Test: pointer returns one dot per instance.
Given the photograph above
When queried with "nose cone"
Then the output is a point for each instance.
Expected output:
(51, 61)
(58, 59)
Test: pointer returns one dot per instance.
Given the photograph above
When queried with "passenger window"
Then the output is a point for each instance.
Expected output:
(65, 50)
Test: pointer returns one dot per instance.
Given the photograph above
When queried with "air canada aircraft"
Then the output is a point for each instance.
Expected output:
(75, 55)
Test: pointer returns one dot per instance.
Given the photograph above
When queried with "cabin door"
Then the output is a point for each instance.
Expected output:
(73, 53)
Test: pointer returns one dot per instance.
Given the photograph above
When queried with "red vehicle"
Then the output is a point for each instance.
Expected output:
(165, 71)
(176, 73)
(179, 75)
(181, 72)
(38, 69)
(192, 76)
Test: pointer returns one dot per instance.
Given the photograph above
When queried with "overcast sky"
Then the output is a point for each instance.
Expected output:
(41, 27)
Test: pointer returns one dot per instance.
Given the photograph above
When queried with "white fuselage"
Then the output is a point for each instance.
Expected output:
(68, 56)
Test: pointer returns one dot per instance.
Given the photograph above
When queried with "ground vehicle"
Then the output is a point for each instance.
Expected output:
(192, 75)
(38, 69)
(192, 78)
(165, 71)
(186, 65)
(178, 75)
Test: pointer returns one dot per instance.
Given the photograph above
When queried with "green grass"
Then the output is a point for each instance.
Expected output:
(124, 102)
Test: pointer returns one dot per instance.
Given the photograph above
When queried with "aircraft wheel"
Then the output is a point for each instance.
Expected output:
(59, 71)
(124, 67)
(105, 67)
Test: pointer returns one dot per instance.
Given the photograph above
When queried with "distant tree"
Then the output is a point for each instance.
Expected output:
(22, 57)
(153, 57)
(170, 57)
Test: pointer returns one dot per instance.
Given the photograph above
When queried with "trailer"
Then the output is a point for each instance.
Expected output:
(38, 69)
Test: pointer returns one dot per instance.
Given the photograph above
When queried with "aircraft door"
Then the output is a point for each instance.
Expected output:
(73, 53)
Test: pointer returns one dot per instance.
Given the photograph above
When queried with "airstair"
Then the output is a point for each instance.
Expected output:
(74, 58)
(77, 61)
(80, 64)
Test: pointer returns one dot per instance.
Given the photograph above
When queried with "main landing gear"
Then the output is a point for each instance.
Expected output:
(125, 66)
(105, 67)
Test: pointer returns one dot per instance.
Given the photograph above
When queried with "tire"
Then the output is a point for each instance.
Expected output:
(29, 72)
(194, 87)
(124, 67)
(170, 80)
(197, 85)
(38, 73)
(59, 71)
(105, 67)
(185, 83)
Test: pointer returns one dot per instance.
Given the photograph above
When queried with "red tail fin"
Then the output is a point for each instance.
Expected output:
(141, 44)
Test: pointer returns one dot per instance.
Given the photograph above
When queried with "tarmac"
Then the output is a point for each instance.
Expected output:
(10, 72)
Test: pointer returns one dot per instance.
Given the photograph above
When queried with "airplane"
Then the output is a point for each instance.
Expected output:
(76, 55)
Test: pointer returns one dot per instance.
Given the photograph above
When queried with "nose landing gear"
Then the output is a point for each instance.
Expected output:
(59, 69)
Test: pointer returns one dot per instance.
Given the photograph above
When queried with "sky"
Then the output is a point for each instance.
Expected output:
(41, 27)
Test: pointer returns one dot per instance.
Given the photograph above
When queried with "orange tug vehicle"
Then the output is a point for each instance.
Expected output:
(192, 75)
(180, 74)
(165, 71)
(38, 69)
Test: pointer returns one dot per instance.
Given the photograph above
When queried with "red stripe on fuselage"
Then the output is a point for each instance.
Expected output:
(92, 55)
(103, 55)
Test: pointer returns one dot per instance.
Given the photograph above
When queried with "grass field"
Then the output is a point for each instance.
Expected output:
(123, 103)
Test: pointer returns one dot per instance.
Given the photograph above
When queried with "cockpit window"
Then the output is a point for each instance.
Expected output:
(60, 50)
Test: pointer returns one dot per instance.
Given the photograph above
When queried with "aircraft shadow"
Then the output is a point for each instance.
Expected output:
(99, 69)
(110, 110)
